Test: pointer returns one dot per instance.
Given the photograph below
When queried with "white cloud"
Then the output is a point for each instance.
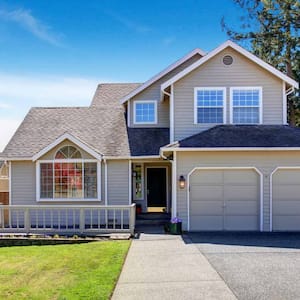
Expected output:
(168, 40)
(25, 19)
(7, 129)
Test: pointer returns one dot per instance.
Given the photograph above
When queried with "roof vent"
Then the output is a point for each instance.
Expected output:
(227, 60)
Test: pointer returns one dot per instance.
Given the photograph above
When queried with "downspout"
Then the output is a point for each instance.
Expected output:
(105, 182)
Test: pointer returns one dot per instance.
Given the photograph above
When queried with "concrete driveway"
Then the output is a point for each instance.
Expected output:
(254, 265)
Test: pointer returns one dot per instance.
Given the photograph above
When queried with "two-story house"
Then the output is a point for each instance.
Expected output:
(206, 139)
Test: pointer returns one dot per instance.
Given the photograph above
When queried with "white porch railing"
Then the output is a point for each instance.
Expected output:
(82, 219)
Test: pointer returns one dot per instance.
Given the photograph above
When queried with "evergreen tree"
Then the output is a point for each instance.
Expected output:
(270, 29)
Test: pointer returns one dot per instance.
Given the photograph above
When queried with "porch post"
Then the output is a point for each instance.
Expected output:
(174, 186)
(129, 182)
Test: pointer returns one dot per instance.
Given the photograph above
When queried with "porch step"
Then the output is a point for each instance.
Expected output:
(152, 219)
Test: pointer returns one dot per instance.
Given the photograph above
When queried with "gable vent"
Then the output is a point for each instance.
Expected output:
(227, 60)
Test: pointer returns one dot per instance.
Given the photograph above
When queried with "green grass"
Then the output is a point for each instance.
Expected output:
(80, 271)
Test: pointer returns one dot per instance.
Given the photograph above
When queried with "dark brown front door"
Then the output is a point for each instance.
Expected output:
(156, 187)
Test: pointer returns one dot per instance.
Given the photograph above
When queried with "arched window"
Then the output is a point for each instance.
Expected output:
(68, 152)
(69, 177)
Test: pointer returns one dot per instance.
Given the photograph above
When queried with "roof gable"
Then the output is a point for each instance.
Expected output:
(239, 49)
(161, 74)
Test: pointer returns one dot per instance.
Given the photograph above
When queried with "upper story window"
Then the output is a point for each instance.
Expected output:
(209, 105)
(68, 177)
(145, 112)
(246, 105)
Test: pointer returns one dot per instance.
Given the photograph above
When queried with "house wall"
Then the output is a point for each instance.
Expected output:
(153, 93)
(264, 161)
(4, 186)
(214, 73)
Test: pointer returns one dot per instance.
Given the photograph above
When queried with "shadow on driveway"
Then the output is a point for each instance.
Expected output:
(248, 239)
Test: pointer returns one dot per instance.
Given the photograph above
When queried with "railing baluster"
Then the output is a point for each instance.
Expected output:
(122, 218)
(74, 220)
(17, 212)
(58, 218)
(99, 223)
(114, 220)
(91, 217)
(44, 219)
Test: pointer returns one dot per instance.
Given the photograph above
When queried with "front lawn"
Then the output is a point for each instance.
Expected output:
(81, 271)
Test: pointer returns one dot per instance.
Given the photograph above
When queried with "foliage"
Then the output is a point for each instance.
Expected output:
(81, 271)
(271, 30)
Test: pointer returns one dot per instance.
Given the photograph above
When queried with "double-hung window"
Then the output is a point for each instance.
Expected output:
(145, 112)
(68, 177)
(210, 105)
(246, 105)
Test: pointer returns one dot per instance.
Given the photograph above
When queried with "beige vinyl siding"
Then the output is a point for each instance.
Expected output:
(264, 161)
(242, 73)
(118, 182)
(4, 186)
(51, 154)
(153, 93)
(23, 186)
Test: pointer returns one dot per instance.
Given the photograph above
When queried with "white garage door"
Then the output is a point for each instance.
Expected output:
(286, 200)
(224, 200)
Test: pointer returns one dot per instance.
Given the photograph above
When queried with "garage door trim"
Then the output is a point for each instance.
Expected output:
(228, 168)
(271, 190)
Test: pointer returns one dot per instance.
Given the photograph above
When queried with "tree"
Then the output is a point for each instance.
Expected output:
(270, 29)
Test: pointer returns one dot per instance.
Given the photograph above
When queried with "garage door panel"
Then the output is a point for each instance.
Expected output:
(286, 200)
(207, 207)
(240, 176)
(247, 223)
(207, 177)
(243, 208)
(245, 193)
(282, 223)
(205, 193)
(288, 208)
(285, 176)
(237, 189)
(286, 192)
(206, 223)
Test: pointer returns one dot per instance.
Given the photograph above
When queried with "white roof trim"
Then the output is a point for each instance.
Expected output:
(76, 141)
(239, 49)
(193, 149)
(161, 74)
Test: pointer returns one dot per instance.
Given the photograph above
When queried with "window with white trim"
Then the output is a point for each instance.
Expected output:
(210, 105)
(68, 176)
(246, 105)
(145, 112)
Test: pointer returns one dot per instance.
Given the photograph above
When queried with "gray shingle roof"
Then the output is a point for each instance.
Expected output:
(109, 94)
(147, 141)
(101, 126)
(102, 129)
(245, 136)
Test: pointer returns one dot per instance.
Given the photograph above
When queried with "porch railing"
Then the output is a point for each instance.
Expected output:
(82, 219)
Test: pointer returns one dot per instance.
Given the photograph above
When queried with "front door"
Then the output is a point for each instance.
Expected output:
(156, 188)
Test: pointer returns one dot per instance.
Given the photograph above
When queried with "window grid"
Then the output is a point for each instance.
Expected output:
(210, 106)
(246, 106)
(145, 112)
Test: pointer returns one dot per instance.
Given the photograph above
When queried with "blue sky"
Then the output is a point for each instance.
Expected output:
(53, 53)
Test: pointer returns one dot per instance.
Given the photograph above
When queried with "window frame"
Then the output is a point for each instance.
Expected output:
(212, 88)
(135, 122)
(53, 161)
(134, 182)
(260, 107)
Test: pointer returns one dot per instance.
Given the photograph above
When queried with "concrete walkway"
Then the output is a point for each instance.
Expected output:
(160, 266)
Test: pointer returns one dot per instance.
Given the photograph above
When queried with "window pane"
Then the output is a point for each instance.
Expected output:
(210, 106)
(138, 182)
(46, 180)
(210, 115)
(67, 152)
(68, 180)
(145, 112)
(90, 180)
(246, 115)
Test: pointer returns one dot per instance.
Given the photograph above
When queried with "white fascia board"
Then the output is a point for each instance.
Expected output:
(131, 157)
(239, 49)
(71, 138)
(16, 158)
(161, 74)
(231, 149)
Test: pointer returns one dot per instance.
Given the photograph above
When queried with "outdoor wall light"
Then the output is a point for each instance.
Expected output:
(181, 182)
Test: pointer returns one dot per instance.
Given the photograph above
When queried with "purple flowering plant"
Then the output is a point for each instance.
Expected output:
(176, 220)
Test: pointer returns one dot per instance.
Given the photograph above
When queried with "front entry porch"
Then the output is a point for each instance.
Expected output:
(151, 187)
